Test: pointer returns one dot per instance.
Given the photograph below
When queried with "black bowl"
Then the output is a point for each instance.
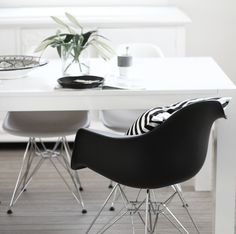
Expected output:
(81, 82)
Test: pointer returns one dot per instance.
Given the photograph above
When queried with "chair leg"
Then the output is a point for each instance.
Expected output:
(26, 172)
(76, 195)
(78, 181)
(185, 205)
(101, 209)
(176, 219)
(68, 154)
(148, 225)
(28, 166)
(65, 163)
(146, 211)
(112, 221)
(179, 188)
(119, 215)
(112, 208)
(132, 223)
(115, 197)
(25, 178)
(19, 177)
(152, 210)
(174, 225)
(158, 208)
(155, 222)
(54, 154)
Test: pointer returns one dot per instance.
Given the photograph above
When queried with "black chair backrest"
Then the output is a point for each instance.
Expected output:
(172, 153)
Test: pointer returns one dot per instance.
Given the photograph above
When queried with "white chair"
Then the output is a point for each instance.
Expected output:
(37, 126)
(121, 120)
(140, 50)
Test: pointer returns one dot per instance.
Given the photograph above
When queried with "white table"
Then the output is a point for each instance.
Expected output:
(164, 81)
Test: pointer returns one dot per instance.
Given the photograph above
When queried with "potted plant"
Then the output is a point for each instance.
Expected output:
(72, 44)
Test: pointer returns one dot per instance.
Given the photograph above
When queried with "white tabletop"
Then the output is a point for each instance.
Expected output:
(185, 77)
(168, 74)
(182, 74)
(149, 77)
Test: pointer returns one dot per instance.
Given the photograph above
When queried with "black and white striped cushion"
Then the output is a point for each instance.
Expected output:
(156, 116)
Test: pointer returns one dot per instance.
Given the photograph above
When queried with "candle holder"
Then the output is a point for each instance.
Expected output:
(124, 63)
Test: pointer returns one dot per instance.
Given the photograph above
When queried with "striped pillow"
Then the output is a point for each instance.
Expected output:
(156, 116)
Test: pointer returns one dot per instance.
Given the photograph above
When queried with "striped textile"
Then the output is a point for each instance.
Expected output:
(156, 116)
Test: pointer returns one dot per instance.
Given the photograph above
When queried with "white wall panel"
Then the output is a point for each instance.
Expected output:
(8, 41)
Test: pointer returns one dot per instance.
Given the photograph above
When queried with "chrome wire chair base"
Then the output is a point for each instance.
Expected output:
(176, 187)
(148, 210)
(35, 154)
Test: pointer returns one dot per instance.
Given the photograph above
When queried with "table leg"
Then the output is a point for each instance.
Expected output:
(203, 180)
(225, 167)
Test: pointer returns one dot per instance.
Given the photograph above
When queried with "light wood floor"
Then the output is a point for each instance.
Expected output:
(47, 207)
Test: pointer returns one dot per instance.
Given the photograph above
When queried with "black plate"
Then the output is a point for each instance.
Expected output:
(81, 82)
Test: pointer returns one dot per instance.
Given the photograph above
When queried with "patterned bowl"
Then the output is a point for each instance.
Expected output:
(16, 66)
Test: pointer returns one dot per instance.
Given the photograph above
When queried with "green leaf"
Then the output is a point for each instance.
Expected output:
(68, 38)
(73, 43)
(106, 46)
(77, 37)
(59, 50)
(101, 52)
(49, 38)
(86, 37)
(103, 49)
(60, 22)
(73, 20)
(98, 35)
(43, 45)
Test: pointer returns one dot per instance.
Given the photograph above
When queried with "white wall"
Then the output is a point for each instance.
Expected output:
(28, 3)
(212, 31)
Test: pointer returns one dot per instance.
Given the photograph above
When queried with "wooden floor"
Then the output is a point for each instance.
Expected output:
(47, 207)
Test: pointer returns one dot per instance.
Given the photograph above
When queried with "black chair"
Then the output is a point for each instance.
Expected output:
(170, 154)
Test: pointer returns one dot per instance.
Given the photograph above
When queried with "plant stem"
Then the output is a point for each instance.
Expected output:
(69, 65)
(80, 68)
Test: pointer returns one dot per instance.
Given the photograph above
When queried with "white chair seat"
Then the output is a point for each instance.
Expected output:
(45, 124)
(119, 120)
